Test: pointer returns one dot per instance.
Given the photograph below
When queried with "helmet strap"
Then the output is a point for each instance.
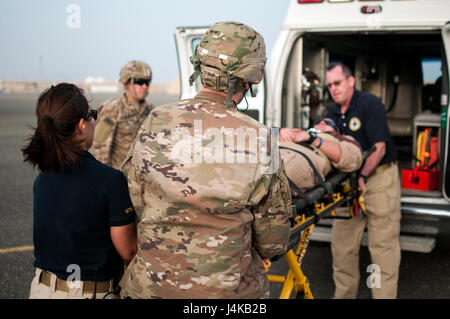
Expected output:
(231, 88)
(197, 72)
(133, 89)
(194, 76)
(132, 92)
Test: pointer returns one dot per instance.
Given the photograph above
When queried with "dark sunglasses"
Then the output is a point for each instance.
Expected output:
(93, 114)
(327, 122)
(336, 83)
(330, 123)
(141, 81)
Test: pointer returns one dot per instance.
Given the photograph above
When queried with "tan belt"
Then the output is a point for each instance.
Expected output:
(381, 168)
(62, 285)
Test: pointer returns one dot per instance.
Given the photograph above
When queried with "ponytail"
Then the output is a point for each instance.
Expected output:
(52, 145)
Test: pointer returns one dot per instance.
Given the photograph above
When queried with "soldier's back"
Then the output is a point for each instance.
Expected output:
(202, 171)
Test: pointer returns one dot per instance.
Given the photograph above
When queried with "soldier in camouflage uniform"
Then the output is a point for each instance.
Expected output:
(120, 118)
(205, 225)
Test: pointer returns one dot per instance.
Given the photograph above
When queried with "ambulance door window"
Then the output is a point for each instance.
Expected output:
(292, 85)
(432, 84)
(198, 81)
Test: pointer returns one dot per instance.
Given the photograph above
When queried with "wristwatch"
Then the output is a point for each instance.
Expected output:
(312, 135)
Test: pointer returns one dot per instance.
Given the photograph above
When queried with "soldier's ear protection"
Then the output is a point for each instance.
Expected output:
(90, 114)
(81, 126)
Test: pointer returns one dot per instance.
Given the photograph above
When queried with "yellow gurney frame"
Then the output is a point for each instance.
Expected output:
(316, 203)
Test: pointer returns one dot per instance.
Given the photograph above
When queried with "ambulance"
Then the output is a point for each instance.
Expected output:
(398, 50)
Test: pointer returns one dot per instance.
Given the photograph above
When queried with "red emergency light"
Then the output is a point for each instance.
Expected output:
(309, 1)
(370, 9)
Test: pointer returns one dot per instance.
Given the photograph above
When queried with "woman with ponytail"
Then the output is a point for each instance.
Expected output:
(83, 227)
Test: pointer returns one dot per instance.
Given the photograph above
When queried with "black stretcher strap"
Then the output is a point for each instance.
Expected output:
(316, 172)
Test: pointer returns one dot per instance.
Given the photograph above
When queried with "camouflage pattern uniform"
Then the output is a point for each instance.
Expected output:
(204, 226)
(119, 120)
(299, 170)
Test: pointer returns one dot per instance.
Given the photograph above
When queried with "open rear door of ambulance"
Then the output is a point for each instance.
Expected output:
(186, 40)
(445, 113)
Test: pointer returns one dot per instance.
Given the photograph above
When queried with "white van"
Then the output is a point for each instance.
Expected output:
(399, 50)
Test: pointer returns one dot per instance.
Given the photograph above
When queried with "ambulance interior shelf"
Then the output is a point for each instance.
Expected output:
(424, 172)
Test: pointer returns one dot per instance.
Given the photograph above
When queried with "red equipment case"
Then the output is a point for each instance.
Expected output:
(421, 179)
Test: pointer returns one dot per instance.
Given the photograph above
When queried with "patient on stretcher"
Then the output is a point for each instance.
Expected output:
(303, 161)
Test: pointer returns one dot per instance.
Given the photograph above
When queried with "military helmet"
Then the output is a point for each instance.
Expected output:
(135, 69)
(229, 51)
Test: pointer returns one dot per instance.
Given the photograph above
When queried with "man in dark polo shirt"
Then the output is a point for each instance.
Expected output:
(362, 116)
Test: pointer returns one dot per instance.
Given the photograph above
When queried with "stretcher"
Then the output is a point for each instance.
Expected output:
(319, 202)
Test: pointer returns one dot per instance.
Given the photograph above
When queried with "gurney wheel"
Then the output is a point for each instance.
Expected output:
(300, 295)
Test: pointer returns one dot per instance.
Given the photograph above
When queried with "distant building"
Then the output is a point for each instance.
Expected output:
(19, 87)
(89, 85)
(98, 85)
(104, 88)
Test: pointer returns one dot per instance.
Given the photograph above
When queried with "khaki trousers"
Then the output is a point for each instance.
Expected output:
(382, 220)
(39, 290)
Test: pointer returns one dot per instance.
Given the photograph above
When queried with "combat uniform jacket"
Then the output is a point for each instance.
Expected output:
(204, 227)
(299, 170)
(117, 125)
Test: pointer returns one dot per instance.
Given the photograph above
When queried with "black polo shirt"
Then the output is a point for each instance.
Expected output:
(73, 212)
(365, 120)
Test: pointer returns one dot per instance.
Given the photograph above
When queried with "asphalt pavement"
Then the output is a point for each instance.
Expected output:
(421, 275)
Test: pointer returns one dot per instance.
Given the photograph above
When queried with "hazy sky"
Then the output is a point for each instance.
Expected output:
(44, 40)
